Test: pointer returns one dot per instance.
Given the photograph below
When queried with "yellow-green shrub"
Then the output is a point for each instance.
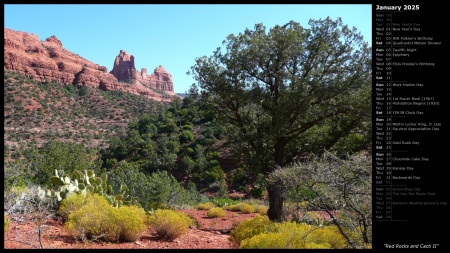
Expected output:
(216, 212)
(132, 222)
(249, 228)
(247, 208)
(71, 203)
(169, 224)
(327, 234)
(289, 235)
(313, 245)
(317, 236)
(94, 220)
(234, 208)
(6, 223)
(261, 209)
(205, 206)
(273, 241)
(228, 208)
(286, 235)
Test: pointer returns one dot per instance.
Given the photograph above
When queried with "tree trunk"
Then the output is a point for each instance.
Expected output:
(276, 199)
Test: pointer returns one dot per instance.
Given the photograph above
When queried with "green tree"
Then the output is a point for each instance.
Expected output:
(164, 188)
(287, 91)
(188, 165)
(132, 176)
(66, 156)
(186, 136)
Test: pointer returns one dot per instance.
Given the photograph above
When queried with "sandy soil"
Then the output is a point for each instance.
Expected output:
(211, 233)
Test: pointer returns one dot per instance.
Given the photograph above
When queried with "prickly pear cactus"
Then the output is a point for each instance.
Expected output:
(61, 186)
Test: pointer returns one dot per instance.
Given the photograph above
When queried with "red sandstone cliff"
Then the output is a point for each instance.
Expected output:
(48, 60)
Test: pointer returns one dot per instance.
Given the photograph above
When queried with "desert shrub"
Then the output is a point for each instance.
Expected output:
(204, 206)
(261, 209)
(164, 188)
(70, 204)
(95, 220)
(238, 176)
(216, 212)
(157, 205)
(234, 208)
(291, 235)
(6, 222)
(257, 192)
(328, 234)
(186, 136)
(132, 221)
(169, 224)
(246, 208)
(313, 245)
(213, 174)
(290, 231)
(14, 195)
(67, 156)
(272, 241)
(249, 228)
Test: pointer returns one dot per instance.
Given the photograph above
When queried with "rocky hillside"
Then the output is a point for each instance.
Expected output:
(49, 61)
(37, 112)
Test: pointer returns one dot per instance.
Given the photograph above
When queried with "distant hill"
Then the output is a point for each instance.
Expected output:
(182, 94)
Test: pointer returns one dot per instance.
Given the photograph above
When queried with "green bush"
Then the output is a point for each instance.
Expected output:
(216, 212)
(169, 224)
(132, 221)
(95, 220)
(249, 228)
(213, 174)
(257, 192)
(186, 136)
(238, 176)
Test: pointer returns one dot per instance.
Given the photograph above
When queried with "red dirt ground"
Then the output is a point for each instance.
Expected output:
(211, 233)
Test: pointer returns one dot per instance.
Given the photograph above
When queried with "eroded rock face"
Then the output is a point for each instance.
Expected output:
(125, 70)
(160, 79)
(48, 60)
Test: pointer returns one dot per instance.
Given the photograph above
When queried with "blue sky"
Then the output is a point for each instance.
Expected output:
(172, 35)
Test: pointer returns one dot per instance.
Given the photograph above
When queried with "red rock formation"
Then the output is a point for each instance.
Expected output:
(124, 70)
(160, 79)
(48, 60)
